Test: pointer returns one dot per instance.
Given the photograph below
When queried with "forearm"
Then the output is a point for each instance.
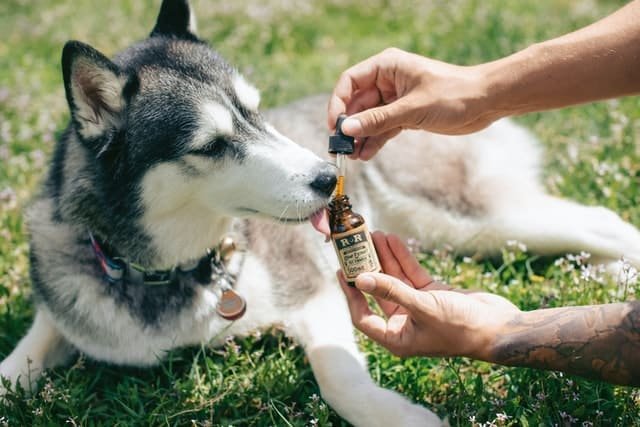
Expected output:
(596, 62)
(600, 342)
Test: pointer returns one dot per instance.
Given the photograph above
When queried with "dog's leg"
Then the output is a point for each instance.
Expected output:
(323, 326)
(550, 225)
(43, 347)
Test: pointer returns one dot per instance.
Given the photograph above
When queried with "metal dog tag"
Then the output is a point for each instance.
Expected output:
(231, 306)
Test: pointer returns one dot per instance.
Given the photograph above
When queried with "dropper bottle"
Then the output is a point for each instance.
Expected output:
(349, 233)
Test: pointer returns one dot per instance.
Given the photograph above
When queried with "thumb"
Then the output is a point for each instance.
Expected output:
(388, 288)
(378, 120)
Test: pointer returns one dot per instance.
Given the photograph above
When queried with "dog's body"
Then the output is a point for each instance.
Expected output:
(166, 154)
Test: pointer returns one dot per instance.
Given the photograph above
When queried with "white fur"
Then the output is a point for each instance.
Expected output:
(193, 22)
(33, 353)
(215, 119)
(255, 284)
(441, 227)
(248, 95)
(176, 216)
(282, 172)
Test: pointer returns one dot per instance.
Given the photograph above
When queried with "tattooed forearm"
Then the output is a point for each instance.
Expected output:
(601, 342)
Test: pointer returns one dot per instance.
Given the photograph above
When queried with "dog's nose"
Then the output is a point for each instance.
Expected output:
(324, 182)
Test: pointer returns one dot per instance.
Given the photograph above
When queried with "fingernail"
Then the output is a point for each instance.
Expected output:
(365, 282)
(352, 127)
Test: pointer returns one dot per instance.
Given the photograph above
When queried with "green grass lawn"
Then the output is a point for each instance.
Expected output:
(292, 48)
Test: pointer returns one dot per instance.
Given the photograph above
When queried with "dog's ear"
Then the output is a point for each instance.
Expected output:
(97, 90)
(176, 19)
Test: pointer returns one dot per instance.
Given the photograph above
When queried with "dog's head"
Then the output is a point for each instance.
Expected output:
(178, 141)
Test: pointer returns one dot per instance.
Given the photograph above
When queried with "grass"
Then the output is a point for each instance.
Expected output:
(291, 48)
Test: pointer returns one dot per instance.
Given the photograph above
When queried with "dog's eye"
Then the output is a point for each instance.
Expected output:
(213, 148)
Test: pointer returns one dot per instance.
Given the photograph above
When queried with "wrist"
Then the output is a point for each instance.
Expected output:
(480, 96)
(490, 336)
(506, 83)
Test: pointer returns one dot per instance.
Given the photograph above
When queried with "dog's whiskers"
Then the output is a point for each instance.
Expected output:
(281, 216)
(298, 210)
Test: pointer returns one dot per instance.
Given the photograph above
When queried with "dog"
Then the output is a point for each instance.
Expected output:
(167, 153)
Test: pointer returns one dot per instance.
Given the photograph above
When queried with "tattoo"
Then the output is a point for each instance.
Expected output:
(600, 342)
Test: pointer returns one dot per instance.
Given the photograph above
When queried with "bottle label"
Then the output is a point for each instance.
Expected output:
(356, 252)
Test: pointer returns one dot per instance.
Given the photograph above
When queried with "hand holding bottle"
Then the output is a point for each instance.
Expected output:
(422, 316)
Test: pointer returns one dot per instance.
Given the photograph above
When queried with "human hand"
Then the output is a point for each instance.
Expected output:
(396, 90)
(423, 317)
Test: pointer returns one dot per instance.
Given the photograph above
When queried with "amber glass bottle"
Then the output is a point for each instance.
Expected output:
(351, 240)
(349, 233)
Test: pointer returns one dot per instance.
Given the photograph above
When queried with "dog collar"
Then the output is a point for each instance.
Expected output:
(210, 269)
(116, 269)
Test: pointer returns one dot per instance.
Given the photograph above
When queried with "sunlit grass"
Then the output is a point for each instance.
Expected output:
(292, 48)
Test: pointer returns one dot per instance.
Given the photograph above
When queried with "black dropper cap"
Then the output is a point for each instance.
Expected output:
(339, 143)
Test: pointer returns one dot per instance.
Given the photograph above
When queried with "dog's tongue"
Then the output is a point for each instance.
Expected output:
(320, 221)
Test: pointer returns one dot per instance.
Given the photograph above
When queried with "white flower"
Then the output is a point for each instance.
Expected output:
(501, 416)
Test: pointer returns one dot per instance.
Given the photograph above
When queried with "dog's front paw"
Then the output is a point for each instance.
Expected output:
(394, 409)
(372, 406)
(13, 373)
(8, 377)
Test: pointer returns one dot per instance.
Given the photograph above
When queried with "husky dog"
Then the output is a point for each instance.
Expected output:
(166, 153)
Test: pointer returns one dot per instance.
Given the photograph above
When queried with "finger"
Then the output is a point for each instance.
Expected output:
(360, 76)
(388, 288)
(408, 263)
(388, 307)
(363, 100)
(363, 319)
(357, 148)
(373, 326)
(373, 144)
(388, 261)
(358, 306)
(378, 120)
(336, 107)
